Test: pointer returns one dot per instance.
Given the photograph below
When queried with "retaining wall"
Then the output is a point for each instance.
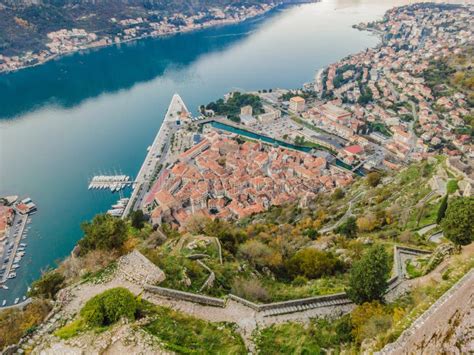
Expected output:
(309, 302)
(185, 296)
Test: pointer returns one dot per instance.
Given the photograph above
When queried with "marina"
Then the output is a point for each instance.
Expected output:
(114, 183)
(118, 209)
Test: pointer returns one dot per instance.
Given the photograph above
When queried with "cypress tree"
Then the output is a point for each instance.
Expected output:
(442, 209)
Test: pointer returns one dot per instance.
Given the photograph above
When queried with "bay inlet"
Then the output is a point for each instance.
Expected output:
(97, 111)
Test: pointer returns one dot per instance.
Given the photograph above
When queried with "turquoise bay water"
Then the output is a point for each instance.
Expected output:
(62, 122)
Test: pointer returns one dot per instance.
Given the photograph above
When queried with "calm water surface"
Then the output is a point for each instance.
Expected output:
(62, 122)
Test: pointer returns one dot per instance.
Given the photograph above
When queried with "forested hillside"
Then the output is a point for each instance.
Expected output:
(24, 24)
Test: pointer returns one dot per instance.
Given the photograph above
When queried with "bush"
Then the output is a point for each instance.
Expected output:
(313, 263)
(259, 254)
(300, 281)
(48, 285)
(109, 307)
(367, 223)
(348, 228)
(104, 232)
(137, 219)
(368, 277)
(15, 323)
(251, 290)
(373, 178)
(369, 320)
(338, 194)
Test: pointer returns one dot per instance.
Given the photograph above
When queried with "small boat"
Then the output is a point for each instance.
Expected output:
(24, 298)
(4, 303)
(23, 244)
(15, 266)
(5, 287)
(12, 275)
(16, 300)
(29, 289)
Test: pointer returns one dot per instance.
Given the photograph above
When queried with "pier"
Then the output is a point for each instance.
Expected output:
(112, 182)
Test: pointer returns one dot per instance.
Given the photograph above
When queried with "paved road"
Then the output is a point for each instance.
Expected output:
(426, 229)
(14, 234)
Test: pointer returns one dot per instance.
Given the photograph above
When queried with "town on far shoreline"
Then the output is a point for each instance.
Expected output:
(154, 24)
(374, 111)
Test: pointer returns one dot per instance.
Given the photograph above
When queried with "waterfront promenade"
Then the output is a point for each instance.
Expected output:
(157, 153)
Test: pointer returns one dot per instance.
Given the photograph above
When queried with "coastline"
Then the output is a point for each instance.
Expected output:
(170, 34)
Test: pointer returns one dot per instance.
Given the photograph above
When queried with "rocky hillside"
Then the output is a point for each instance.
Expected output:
(106, 298)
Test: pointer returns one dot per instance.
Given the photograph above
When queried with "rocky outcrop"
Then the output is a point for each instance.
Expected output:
(445, 328)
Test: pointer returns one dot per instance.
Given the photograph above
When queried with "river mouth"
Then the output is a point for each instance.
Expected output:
(97, 112)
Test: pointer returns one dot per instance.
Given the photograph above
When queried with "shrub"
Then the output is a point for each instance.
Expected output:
(369, 320)
(338, 194)
(48, 285)
(251, 289)
(348, 228)
(373, 178)
(367, 223)
(104, 232)
(137, 219)
(368, 277)
(70, 330)
(109, 306)
(300, 281)
(259, 254)
(15, 323)
(313, 263)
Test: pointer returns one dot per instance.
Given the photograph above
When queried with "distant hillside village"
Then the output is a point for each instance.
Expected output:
(26, 46)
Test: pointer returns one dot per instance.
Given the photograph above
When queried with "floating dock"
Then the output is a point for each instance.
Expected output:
(110, 182)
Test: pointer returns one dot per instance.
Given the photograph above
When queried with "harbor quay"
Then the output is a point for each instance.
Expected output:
(14, 226)
(157, 155)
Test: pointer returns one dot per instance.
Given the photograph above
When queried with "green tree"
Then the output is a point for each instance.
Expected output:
(373, 178)
(48, 285)
(368, 277)
(442, 209)
(458, 224)
(109, 306)
(137, 218)
(348, 228)
(104, 232)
